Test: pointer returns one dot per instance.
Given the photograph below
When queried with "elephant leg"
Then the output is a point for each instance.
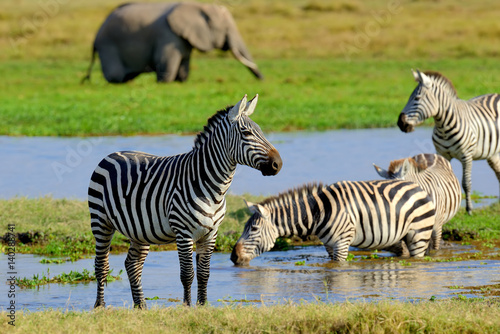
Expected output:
(134, 264)
(112, 67)
(185, 250)
(494, 163)
(203, 254)
(183, 72)
(167, 65)
(466, 182)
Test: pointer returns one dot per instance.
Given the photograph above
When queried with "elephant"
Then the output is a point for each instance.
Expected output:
(145, 37)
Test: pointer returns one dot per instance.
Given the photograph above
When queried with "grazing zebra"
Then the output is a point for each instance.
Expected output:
(465, 130)
(364, 214)
(434, 174)
(158, 200)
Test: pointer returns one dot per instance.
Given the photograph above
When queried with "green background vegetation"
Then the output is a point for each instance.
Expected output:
(328, 65)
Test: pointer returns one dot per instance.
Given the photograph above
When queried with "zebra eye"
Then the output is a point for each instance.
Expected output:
(246, 133)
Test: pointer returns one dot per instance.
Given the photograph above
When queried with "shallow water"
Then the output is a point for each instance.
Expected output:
(61, 167)
(272, 278)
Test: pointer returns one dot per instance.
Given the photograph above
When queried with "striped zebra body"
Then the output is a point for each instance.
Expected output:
(157, 200)
(434, 174)
(465, 130)
(364, 214)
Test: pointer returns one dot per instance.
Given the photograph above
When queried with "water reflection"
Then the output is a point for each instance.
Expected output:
(272, 278)
(37, 166)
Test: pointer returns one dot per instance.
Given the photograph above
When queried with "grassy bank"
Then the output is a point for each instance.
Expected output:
(61, 227)
(452, 316)
(328, 65)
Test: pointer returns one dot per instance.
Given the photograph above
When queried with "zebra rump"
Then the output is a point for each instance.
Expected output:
(365, 214)
(434, 174)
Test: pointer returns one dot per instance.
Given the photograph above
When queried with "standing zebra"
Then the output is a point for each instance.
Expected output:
(434, 174)
(465, 130)
(158, 200)
(364, 214)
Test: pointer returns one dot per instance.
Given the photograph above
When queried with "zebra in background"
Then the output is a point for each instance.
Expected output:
(465, 130)
(364, 214)
(434, 174)
(158, 200)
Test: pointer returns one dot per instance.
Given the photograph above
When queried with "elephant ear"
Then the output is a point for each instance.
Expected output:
(189, 21)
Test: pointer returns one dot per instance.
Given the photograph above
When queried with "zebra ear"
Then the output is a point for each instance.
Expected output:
(250, 206)
(238, 109)
(405, 168)
(422, 78)
(415, 75)
(250, 108)
(382, 172)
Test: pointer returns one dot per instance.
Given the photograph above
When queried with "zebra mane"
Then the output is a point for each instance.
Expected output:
(441, 79)
(307, 189)
(212, 123)
(420, 162)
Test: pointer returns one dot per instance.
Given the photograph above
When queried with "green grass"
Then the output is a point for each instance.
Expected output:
(458, 315)
(299, 45)
(71, 277)
(61, 228)
(484, 223)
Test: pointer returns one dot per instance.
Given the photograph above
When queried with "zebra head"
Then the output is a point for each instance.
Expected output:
(248, 146)
(259, 235)
(421, 105)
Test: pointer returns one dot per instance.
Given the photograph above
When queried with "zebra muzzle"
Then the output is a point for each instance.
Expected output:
(403, 125)
(273, 164)
(237, 256)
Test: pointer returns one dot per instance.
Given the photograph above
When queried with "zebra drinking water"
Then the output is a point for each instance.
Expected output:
(434, 174)
(465, 130)
(158, 200)
(364, 214)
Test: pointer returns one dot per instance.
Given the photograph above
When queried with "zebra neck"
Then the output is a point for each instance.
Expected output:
(293, 214)
(449, 115)
(448, 107)
(212, 170)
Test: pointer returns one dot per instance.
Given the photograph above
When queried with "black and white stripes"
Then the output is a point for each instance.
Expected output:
(365, 214)
(434, 174)
(465, 130)
(156, 200)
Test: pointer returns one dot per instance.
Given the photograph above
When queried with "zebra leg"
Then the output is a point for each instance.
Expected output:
(339, 249)
(185, 250)
(494, 163)
(203, 254)
(436, 238)
(103, 236)
(417, 243)
(467, 183)
(400, 249)
(133, 264)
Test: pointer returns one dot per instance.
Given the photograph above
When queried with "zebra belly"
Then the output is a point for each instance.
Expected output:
(143, 228)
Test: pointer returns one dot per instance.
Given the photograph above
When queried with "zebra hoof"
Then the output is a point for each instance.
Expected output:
(141, 306)
(99, 303)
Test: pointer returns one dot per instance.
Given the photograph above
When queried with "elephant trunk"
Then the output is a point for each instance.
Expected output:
(241, 53)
